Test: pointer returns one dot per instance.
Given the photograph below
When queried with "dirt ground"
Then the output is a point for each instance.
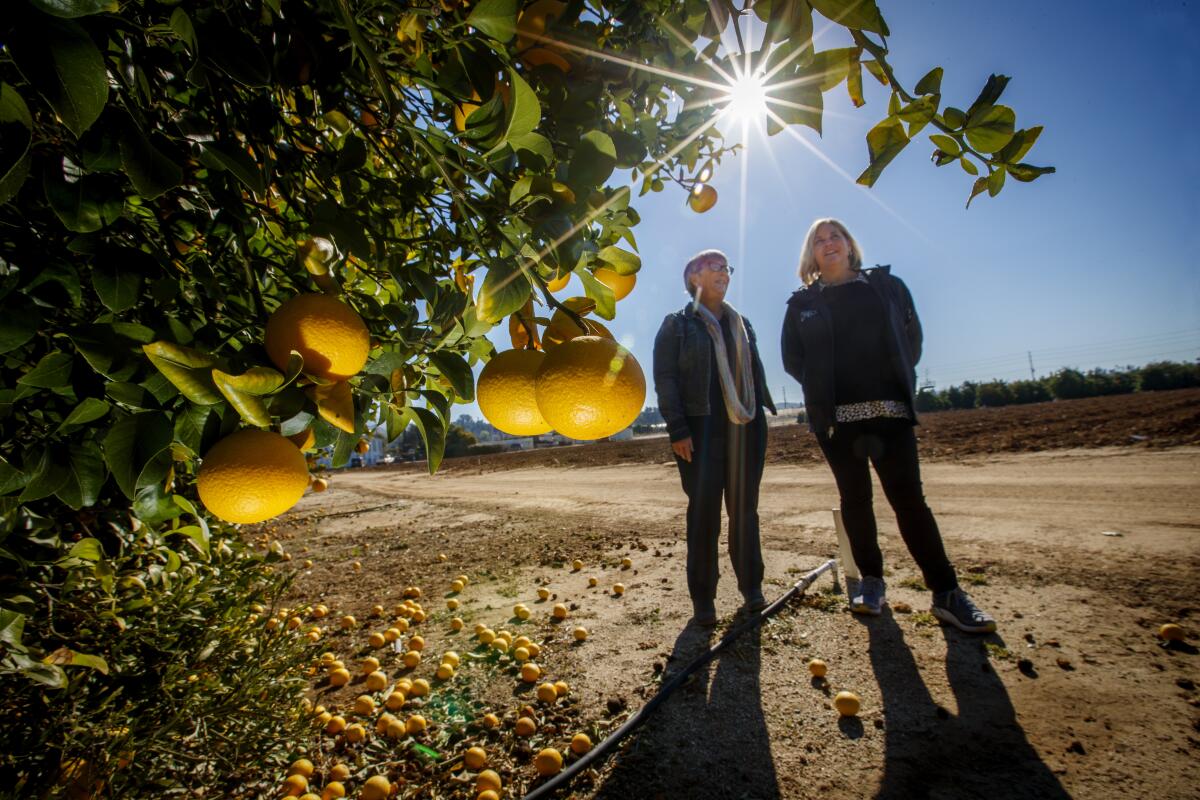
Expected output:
(1080, 552)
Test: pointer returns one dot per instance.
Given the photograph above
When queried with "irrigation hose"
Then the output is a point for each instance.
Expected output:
(601, 750)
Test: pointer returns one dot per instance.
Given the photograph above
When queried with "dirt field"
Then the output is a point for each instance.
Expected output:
(1080, 552)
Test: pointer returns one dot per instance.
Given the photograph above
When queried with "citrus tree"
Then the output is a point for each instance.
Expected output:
(225, 223)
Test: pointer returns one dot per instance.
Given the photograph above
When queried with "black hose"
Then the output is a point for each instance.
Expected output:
(560, 780)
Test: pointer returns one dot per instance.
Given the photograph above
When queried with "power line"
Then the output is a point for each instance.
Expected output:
(1055, 353)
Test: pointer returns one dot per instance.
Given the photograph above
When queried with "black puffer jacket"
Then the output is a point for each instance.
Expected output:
(808, 350)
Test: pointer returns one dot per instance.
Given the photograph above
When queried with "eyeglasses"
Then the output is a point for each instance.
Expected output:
(728, 270)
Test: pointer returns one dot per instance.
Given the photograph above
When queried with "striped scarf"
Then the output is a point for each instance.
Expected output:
(738, 390)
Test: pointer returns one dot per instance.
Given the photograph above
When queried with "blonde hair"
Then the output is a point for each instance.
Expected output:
(809, 271)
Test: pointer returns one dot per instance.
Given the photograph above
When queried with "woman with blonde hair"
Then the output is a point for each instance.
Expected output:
(852, 338)
(712, 391)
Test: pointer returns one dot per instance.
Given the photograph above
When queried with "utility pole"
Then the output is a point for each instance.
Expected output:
(785, 395)
(1032, 377)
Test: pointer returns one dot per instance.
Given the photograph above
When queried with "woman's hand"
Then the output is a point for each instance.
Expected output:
(683, 449)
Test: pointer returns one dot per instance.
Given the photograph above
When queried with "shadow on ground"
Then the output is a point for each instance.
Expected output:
(931, 752)
(709, 739)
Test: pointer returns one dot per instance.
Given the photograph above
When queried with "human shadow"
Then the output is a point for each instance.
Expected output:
(931, 752)
(708, 739)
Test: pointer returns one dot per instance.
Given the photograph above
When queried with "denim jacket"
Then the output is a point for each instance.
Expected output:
(807, 345)
(682, 367)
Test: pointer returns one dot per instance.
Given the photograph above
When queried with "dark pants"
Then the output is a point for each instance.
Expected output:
(891, 446)
(727, 462)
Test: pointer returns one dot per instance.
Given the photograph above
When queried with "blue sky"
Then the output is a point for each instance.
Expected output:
(1094, 266)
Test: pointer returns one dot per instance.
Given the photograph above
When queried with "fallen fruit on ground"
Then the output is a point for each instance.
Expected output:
(301, 766)
(475, 758)
(1171, 632)
(818, 668)
(559, 612)
(618, 588)
(326, 332)
(581, 743)
(377, 787)
(525, 726)
(506, 395)
(846, 703)
(530, 672)
(488, 779)
(580, 634)
(589, 388)
(251, 476)
(339, 677)
(547, 693)
(548, 761)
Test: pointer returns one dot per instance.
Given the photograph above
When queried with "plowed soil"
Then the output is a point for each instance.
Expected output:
(1077, 524)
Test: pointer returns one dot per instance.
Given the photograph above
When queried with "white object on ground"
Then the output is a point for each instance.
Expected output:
(844, 553)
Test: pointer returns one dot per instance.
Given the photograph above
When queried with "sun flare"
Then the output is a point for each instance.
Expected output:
(747, 97)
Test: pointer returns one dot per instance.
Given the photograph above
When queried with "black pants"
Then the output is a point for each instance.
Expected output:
(727, 462)
(891, 446)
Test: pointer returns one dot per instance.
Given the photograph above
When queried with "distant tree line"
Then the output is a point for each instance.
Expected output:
(1066, 384)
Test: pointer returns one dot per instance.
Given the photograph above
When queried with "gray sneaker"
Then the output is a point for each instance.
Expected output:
(869, 596)
(956, 608)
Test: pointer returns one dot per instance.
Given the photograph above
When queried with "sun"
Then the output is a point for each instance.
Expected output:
(747, 97)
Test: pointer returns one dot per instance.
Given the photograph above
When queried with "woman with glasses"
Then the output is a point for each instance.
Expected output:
(711, 392)
(852, 338)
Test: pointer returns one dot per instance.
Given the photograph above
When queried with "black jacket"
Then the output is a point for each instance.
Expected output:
(808, 344)
(682, 367)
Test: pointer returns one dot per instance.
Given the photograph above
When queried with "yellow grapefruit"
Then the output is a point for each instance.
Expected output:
(590, 388)
(702, 199)
(328, 333)
(506, 393)
(251, 476)
(621, 285)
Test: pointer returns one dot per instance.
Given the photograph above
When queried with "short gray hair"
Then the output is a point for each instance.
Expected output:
(696, 264)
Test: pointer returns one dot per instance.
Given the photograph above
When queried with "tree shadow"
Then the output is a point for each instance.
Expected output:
(932, 753)
(708, 739)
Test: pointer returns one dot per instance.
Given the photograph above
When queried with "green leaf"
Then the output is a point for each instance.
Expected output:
(199, 536)
(533, 146)
(90, 410)
(953, 117)
(134, 450)
(920, 111)
(181, 24)
(85, 206)
(495, 18)
(457, 371)
(990, 94)
(233, 52)
(342, 449)
(606, 302)
(995, 182)
(66, 657)
(12, 628)
(18, 326)
(76, 8)
(51, 372)
(620, 260)
(1020, 145)
(968, 165)
(524, 111)
(505, 289)
(149, 169)
(116, 288)
(946, 144)
(433, 433)
(884, 142)
(351, 156)
(979, 188)
(990, 128)
(88, 549)
(854, 85)
(1027, 172)
(105, 351)
(189, 370)
(832, 66)
(245, 392)
(594, 160)
(228, 157)
(87, 475)
(16, 131)
(48, 477)
(877, 71)
(11, 478)
(197, 426)
(861, 15)
(799, 104)
(153, 505)
(931, 83)
(64, 65)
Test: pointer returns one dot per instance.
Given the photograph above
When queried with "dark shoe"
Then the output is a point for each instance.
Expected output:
(704, 613)
(869, 596)
(956, 608)
(755, 601)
